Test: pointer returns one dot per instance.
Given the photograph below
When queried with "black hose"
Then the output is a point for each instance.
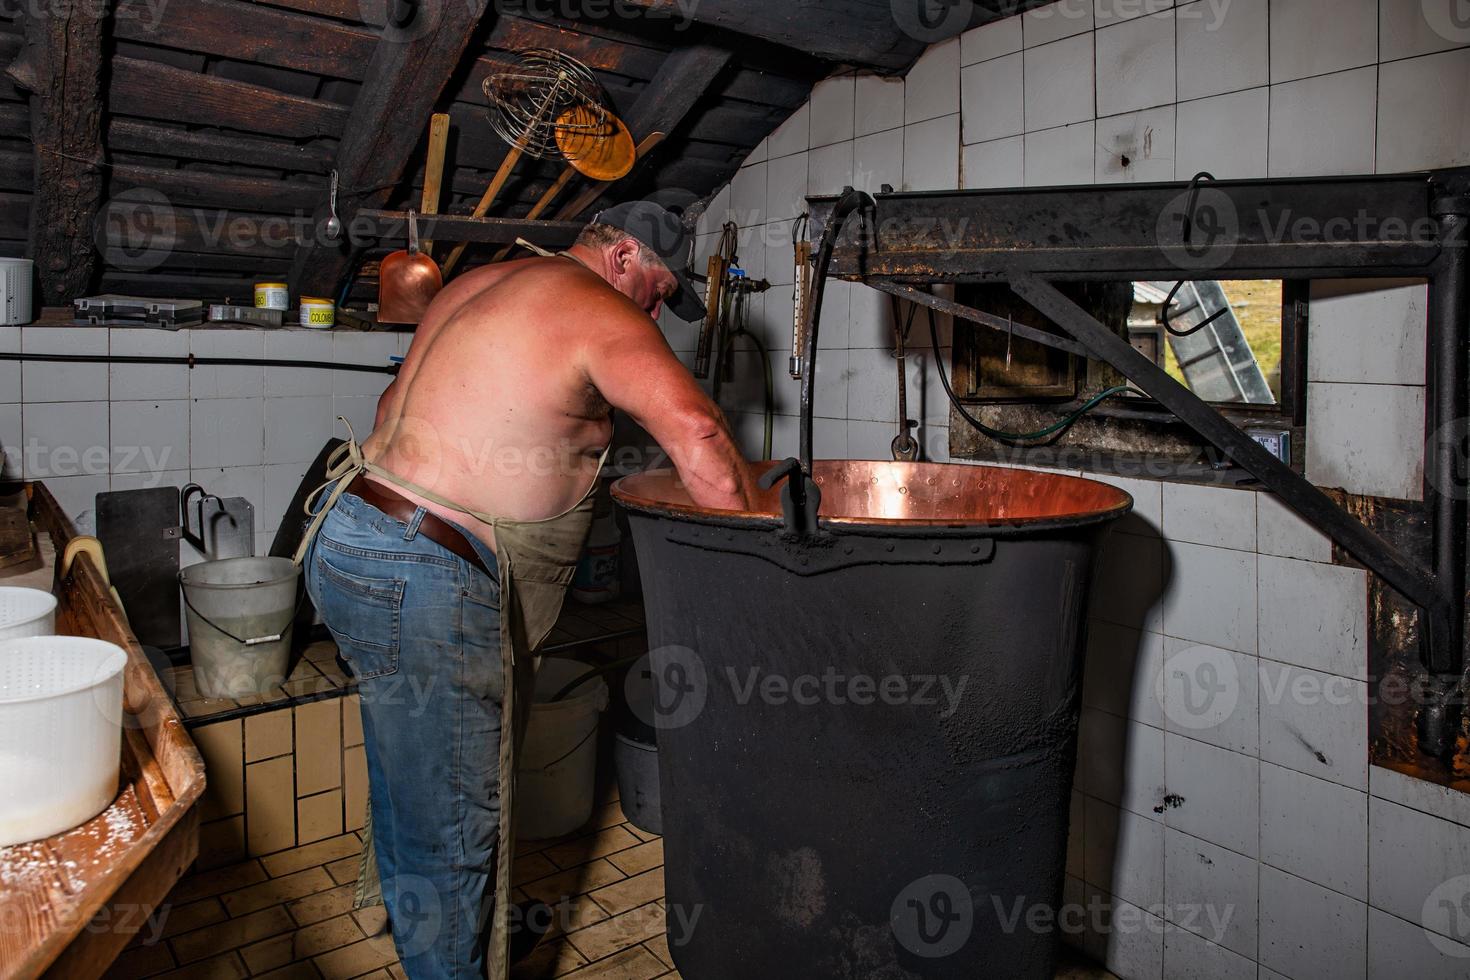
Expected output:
(192, 361)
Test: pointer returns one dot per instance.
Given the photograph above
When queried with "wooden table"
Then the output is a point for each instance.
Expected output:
(70, 903)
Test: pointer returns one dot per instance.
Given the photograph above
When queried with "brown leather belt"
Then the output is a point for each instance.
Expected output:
(402, 509)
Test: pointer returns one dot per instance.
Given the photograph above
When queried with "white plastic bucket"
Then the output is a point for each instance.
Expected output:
(557, 770)
(61, 702)
(240, 613)
(26, 612)
(16, 300)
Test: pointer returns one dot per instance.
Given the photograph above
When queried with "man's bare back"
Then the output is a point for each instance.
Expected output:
(503, 403)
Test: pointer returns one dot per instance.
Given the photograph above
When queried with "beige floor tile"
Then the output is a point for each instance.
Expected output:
(267, 735)
(193, 946)
(630, 893)
(222, 746)
(373, 920)
(302, 944)
(554, 958)
(345, 871)
(319, 732)
(357, 959)
(194, 915)
(659, 946)
(642, 834)
(352, 720)
(577, 881)
(319, 817)
(608, 815)
(322, 852)
(619, 932)
(222, 842)
(355, 787)
(276, 891)
(139, 962)
(571, 914)
(638, 859)
(531, 867)
(226, 966)
(631, 964)
(323, 905)
(210, 883)
(295, 971)
(270, 805)
(584, 849)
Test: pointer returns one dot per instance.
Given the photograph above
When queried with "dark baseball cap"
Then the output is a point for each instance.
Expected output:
(665, 234)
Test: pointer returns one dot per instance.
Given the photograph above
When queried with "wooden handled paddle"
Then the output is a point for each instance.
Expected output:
(434, 170)
(491, 193)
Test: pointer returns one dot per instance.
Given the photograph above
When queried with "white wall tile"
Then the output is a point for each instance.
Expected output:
(356, 347)
(77, 496)
(1410, 27)
(281, 483)
(836, 316)
(1422, 107)
(993, 99)
(786, 183)
(1280, 532)
(870, 440)
(1129, 584)
(830, 396)
(1314, 723)
(872, 393)
(878, 160)
(148, 437)
(871, 318)
(1316, 37)
(296, 429)
(227, 382)
(1220, 793)
(1415, 861)
(298, 345)
(1367, 331)
(931, 155)
(932, 87)
(710, 222)
(1059, 88)
(1132, 943)
(1319, 126)
(999, 163)
(879, 104)
(233, 481)
(149, 381)
(792, 136)
(829, 438)
(63, 381)
(11, 441)
(991, 40)
(1314, 615)
(1123, 853)
(1212, 891)
(1148, 503)
(1060, 156)
(150, 480)
(1055, 21)
(748, 195)
(1135, 64)
(1108, 12)
(1222, 47)
(1398, 949)
(1190, 957)
(1210, 694)
(1309, 931)
(1432, 798)
(1366, 439)
(832, 110)
(66, 439)
(780, 258)
(1210, 515)
(360, 410)
(1122, 673)
(1121, 762)
(751, 250)
(1315, 829)
(10, 373)
(1226, 135)
(1211, 596)
(1136, 146)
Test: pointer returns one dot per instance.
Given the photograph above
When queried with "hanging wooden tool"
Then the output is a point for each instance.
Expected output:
(434, 170)
(719, 270)
(652, 140)
(530, 105)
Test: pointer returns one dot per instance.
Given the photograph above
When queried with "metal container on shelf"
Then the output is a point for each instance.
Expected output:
(867, 733)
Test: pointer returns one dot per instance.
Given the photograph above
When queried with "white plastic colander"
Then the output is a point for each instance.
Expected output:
(26, 612)
(61, 702)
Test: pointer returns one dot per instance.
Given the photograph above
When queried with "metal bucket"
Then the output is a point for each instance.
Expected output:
(867, 736)
(240, 612)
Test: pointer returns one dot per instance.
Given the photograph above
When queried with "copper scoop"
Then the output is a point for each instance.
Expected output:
(407, 281)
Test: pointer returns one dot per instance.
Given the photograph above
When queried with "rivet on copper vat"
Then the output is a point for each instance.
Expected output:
(867, 735)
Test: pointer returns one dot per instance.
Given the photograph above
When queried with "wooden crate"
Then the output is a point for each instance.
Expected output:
(71, 903)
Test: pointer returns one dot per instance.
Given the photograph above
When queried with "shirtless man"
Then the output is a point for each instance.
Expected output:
(502, 409)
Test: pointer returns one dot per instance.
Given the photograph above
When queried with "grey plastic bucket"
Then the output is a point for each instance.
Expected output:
(637, 766)
(240, 612)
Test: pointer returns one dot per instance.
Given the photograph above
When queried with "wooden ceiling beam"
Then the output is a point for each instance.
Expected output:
(152, 90)
(402, 84)
(60, 65)
(138, 136)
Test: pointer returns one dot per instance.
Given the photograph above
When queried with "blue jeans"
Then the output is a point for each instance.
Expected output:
(420, 628)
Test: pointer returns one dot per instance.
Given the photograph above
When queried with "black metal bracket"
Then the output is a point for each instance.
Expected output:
(1408, 225)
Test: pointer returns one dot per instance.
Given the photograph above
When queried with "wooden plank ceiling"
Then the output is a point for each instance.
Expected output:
(221, 119)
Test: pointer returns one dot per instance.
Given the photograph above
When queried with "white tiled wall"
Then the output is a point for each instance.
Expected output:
(1223, 786)
(237, 431)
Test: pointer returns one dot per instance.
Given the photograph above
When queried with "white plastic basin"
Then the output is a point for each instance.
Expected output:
(61, 701)
(26, 612)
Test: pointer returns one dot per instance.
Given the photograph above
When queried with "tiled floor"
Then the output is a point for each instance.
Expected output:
(289, 915)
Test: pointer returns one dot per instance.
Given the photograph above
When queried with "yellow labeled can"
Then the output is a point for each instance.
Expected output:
(272, 296)
(318, 313)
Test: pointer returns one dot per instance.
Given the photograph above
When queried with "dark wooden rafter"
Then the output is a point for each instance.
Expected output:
(60, 65)
(402, 84)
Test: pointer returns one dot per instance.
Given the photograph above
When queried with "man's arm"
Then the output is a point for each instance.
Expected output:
(631, 364)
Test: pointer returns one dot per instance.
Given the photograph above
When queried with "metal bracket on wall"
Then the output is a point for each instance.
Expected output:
(1400, 226)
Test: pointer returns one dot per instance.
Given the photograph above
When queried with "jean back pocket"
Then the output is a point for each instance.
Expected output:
(363, 614)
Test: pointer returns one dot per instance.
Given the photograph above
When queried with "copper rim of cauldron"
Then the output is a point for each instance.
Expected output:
(1071, 499)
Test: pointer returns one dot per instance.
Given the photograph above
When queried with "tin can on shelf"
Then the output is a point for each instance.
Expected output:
(272, 296)
(318, 313)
